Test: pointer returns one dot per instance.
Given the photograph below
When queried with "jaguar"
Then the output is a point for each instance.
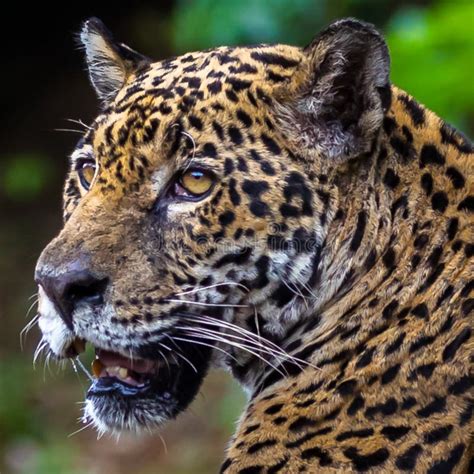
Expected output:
(289, 215)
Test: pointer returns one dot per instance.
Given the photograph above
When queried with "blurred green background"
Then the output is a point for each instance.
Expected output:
(43, 85)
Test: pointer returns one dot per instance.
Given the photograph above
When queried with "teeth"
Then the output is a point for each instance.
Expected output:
(97, 368)
(123, 373)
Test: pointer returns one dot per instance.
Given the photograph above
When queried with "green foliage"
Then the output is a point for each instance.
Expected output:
(432, 53)
(204, 24)
(25, 175)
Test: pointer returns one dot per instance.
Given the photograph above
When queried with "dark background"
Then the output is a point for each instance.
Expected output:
(44, 84)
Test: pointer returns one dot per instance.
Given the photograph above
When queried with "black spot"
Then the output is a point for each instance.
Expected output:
(277, 467)
(421, 342)
(366, 358)
(408, 403)
(388, 258)
(453, 227)
(321, 454)
(420, 311)
(462, 385)
(438, 434)
(359, 232)
(439, 201)
(427, 183)
(403, 148)
(391, 179)
(215, 87)
(365, 462)
(254, 188)
(431, 156)
(238, 258)
(272, 58)
(414, 109)
(467, 204)
(259, 446)
(267, 168)
(421, 241)
(356, 405)
(388, 311)
(446, 466)
(209, 150)
(301, 423)
(244, 117)
(426, 370)
(451, 349)
(346, 387)
(238, 84)
(251, 429)
(387, 408)
(389, 125)
(395, 345)
(436, 406)
(390, 374)
(195, 122)
(251, 470)
(232, 96)
(407, 461)
(456, 177)
(394, 432)
(235, 135)
(364, 433)
(271, 410)
(270, 144)
(226, 218)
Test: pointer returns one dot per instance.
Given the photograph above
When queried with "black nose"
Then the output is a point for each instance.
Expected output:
(71, 288)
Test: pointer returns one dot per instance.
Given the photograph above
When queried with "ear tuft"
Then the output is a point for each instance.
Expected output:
(109, 63)
(346, 91)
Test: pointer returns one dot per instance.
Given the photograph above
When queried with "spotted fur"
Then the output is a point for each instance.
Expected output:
(339, 229)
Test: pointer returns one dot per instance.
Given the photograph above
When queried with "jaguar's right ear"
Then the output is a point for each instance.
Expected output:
(109, 63)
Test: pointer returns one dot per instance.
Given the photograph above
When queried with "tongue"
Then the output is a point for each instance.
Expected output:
(111, 359)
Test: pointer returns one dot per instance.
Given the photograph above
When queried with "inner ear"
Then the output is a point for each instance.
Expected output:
(345, 91)
(109, 62)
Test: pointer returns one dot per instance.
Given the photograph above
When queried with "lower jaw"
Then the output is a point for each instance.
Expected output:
(114, 406)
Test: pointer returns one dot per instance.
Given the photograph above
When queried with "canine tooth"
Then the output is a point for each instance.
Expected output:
(97, 368)
(123, 373)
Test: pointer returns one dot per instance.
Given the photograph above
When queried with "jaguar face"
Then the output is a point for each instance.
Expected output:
(195, 217)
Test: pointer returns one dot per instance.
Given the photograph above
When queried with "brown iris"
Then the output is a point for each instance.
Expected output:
(194, 183)
(86, 172)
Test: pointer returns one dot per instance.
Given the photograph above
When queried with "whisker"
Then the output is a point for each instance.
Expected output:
(193, 341)
(196, 290)
(81, 132)
(217, 338)
(218, 323)
(79, 122)
(24, 332)
(83, 368)
(217, 305)
(239, 338)
(88, 425)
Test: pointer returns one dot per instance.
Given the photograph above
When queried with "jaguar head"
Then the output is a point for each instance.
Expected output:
(198, 208)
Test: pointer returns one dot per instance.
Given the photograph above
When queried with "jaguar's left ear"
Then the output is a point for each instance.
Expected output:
(344, 91)
(109, 62)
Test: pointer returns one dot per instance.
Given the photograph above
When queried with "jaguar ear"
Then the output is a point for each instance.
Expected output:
(345, 91)
(109, 63)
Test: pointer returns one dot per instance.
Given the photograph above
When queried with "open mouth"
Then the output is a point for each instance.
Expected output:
(142, 392)
(113, 371)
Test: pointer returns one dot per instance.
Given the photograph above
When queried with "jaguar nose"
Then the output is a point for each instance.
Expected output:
(71, 288)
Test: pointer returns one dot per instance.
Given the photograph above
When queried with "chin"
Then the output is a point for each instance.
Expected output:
(141, 394)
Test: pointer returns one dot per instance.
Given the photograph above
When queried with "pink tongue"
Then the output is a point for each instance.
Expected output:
(110, 359)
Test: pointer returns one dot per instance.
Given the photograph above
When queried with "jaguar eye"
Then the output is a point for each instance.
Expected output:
(86, 171)
(194, 183)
